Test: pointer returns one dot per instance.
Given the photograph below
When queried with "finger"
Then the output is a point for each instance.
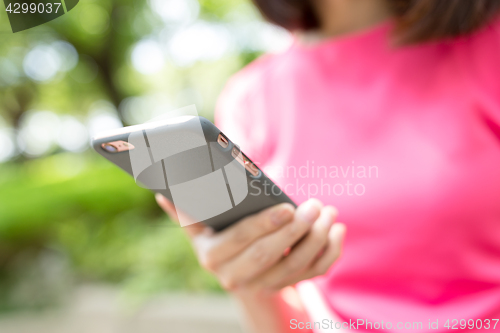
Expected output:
(193, 229)
(321, 265)
(228, 243)
(167, 206)
(269, 249)
(303, 254)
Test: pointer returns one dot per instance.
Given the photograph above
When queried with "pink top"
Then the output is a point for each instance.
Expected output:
(405, 142)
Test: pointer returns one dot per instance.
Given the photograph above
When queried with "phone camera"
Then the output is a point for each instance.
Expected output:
(109, 148)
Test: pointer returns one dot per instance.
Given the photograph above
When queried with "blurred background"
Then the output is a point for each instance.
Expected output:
(76, 234)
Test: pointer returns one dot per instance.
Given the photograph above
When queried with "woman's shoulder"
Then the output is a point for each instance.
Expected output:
(248, 85)
(257, 70)
(243, 83)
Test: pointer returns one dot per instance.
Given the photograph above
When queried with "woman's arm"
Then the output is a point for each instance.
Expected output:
(255, 258)
(273, 313)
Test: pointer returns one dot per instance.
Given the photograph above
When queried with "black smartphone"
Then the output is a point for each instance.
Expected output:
(193, 164)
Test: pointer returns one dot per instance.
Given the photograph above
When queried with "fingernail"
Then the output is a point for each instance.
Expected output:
(330, 213)
(333, 210)
(281, 215)
(327, 221)
(309, 211)
(339, 232)
(158, 196)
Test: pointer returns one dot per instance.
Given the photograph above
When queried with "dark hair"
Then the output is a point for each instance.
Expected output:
(416, 20)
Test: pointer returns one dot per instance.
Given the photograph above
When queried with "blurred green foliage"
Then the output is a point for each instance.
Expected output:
(71, 217)
(98, 222)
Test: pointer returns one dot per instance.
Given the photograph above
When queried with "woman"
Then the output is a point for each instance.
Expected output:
(389, 111)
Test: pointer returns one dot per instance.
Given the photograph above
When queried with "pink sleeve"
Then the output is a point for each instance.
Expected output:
(241, 114)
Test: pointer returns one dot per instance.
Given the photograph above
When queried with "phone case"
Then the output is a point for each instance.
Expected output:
(187, 163)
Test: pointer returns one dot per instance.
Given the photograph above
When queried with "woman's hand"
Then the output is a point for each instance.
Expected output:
(269, 250)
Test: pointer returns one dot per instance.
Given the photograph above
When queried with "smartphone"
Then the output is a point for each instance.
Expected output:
(193, 164)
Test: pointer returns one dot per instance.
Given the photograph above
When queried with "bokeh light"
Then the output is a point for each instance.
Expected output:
(42, 63)
(264, 37)
(176, 11)
(38, 132)
(140, 109)
(201, 41)
(10, 73)
(148, 57)
(67, 54)
(7, 144)
(73, 135)
(102, 117)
